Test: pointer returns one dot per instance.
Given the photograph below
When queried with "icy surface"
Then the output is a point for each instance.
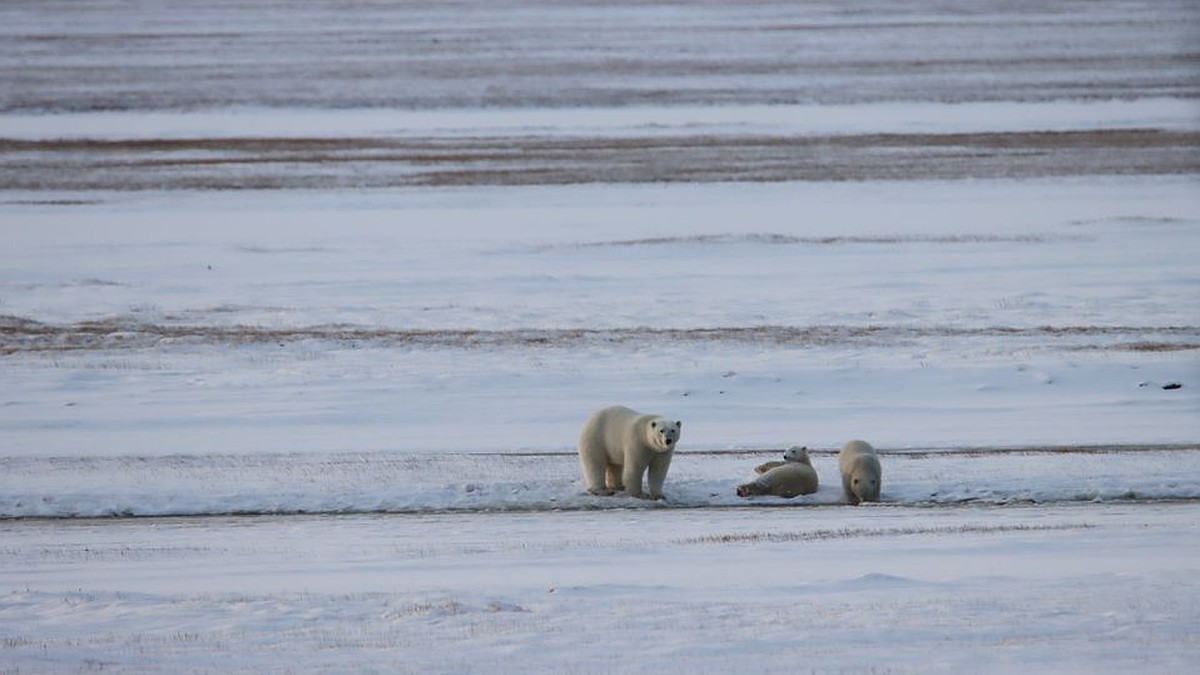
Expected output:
(404, 483)
(911, 314)
(1107, 588)
(896, 117)
(179, 55)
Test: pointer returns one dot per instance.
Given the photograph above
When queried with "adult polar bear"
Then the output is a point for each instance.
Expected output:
(618, 445)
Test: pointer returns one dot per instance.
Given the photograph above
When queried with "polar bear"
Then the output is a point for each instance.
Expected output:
(862, 476)
(618, 445)
(789, 478)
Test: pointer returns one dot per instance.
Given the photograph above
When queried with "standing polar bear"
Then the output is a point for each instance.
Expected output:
(862, 477)
(618, 445)
(792, 477)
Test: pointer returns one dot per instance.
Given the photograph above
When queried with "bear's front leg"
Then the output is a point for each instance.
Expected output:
(657, 474)
(632, 476)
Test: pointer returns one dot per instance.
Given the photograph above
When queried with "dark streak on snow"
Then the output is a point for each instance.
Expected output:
(19, 334)
(206, 164)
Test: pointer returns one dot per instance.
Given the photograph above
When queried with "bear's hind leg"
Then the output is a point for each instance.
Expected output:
(750, 489)
(594, 475)
(612, 478)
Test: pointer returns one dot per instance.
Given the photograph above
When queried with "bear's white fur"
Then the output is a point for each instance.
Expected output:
(792, 477)
(862, 477)
(792, 454)
(618, 445)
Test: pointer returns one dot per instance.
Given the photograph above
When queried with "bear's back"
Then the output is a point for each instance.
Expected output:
(848, 457)
(790, 480)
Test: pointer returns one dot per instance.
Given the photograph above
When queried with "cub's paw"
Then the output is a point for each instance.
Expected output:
(763, 468)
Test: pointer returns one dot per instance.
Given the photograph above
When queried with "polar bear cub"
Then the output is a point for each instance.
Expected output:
(862, 477)
(792, 454)
(618, 445)
(792, 477)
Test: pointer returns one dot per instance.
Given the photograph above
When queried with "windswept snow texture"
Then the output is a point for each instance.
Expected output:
(178, 55)
(913, 314)
(405, 483)
(1107, 588)
(302, 306)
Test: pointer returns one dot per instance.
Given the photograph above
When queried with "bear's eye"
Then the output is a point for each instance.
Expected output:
(654, 425)
(856, 481)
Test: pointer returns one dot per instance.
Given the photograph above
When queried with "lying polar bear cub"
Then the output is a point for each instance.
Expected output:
(792, 454)
(618, 445)
(792, 477)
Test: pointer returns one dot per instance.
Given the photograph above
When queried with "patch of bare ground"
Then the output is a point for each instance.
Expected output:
(757, 454)
(51, 202)
(23, 335)
(832, 240)
(1145, 346)
(308, 163)
(858, 533)
(1034, 450)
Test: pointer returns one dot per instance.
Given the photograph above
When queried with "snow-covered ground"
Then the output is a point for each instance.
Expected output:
(1107, 588)
(300, 315)
(183, 55)
(467, 483)
(938, 314)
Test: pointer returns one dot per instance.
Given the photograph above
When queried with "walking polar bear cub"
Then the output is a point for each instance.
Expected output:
(862, 476)
(792, 477)
(618, 446)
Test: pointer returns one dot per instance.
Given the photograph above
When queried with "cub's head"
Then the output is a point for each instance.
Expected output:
(797, 454)
(663, 434)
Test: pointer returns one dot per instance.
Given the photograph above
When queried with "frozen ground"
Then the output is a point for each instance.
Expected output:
(300, 314)
(1104, 588)
(181, 55)
(467, 483)
(915, 314)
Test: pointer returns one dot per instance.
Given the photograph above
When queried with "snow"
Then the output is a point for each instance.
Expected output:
(912, 314)
(326, 427)
(1058, 588)
(342, 424)
(444, 482)
(892, 117)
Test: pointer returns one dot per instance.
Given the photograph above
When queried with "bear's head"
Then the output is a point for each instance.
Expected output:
(797, 454)
(663, 434)
(865, 485)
